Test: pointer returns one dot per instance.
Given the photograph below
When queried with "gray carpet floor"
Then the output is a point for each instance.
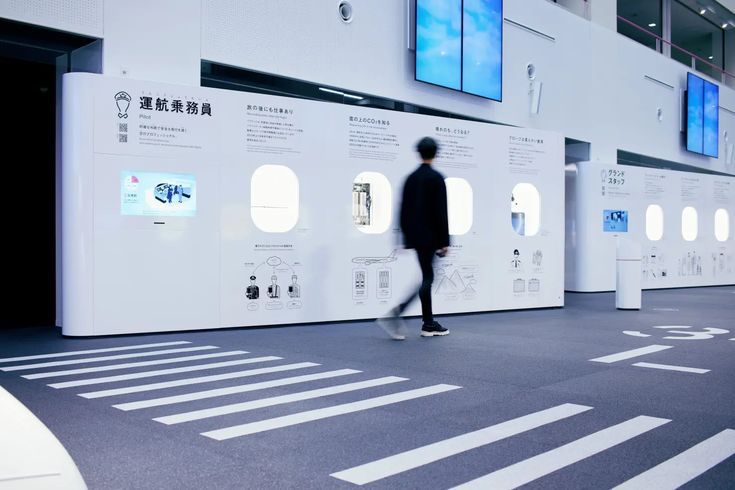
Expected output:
(506, 368)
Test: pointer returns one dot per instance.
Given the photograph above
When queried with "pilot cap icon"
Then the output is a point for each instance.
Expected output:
(122, 100)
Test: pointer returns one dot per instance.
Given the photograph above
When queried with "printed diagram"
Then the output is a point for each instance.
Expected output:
(721, 262)
(359, 284)
(375, 260)
(279, 272)
(516, 263)
(653, 265)
(519, 285)
(537, 258)
(690, 264)
(534, 285)
(453, 282)
(383, 277)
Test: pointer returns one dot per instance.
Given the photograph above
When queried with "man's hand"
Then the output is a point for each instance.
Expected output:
(442, 252)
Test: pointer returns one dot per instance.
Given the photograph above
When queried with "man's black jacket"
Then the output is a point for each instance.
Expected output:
(424, 210)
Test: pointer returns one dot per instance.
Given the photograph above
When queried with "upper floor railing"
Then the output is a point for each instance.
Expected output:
(696, 62)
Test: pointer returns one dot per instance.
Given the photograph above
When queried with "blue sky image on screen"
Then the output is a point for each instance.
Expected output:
(483, 48)
(695, 113)
(439, 42)
(711, 118)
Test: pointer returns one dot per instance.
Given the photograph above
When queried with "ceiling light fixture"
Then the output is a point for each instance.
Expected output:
(710, 57)
(703, 11)
(652, 24)
(724, 26)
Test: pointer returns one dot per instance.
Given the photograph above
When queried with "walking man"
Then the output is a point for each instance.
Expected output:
(425, 228)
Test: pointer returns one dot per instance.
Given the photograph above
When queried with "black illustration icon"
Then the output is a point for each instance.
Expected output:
(122, 100)
(252, 291)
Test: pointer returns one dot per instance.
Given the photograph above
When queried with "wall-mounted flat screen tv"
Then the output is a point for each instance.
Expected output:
(615, 220)
(703, 101)
(459, 45)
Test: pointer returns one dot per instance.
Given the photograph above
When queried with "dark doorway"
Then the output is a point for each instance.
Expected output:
(27, 140)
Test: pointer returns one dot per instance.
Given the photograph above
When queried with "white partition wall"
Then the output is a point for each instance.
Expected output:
(681, 220)
(191, 208)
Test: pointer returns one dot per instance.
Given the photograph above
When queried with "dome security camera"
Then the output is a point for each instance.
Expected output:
(531, 71)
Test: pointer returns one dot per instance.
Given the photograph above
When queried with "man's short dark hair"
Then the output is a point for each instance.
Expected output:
(427, 148)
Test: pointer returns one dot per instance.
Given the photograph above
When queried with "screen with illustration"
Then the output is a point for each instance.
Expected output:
(615, 220)
(157, 194)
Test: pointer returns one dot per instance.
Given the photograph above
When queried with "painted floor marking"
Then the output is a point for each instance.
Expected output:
(543, 464)
(91, 351)
(668, 367)
(629, 354)
(197, 380)
(161, 372)
(276, 400)
(128, 365)
(323, 413)
(23, 367)
(231, 390)
(685, 466)
(408, 460)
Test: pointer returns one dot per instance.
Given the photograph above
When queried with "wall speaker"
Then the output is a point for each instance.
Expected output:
(345, 11)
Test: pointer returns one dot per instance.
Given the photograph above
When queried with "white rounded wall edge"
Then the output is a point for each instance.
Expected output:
(32, 456)
(77, 183)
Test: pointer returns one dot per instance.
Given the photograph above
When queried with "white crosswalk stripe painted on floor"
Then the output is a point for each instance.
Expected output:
(231, 390)
(24, 367)
(543, 464)
(128, 365)
(685, 466)
(668, 367)
(629, 354)
(92, 351)
(323, 413)
(198, 380)
(276, 400)
(408, 460)
(162, 372)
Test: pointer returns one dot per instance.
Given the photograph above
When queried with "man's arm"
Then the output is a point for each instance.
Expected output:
(441, 214)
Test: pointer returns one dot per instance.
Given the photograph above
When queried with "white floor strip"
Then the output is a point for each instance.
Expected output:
(161, 372)
(323, 413)
(668, 367)
(231, 390)
(128, 365)
(276, 400)
(91, 351)
(198, 380)
(23, 367)
(685, 466)
(533, 468)
(629, 354)
(392, 465)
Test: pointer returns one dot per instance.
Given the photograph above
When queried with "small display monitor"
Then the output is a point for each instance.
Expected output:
(615, 220)
(157, 194)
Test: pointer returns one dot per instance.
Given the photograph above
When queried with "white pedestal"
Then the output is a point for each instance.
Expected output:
(628, 275)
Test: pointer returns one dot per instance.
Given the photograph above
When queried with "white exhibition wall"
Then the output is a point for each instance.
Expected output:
(163, 210)
(681, 220)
